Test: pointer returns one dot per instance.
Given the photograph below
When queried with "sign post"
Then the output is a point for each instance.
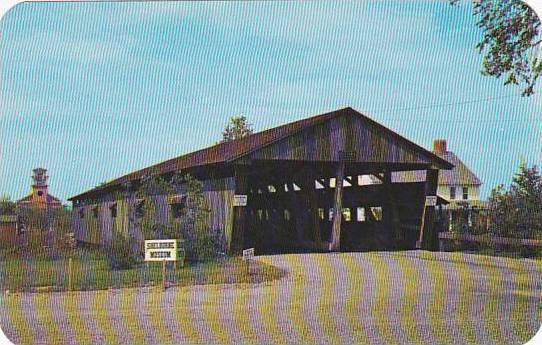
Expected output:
(161, 250)
(248, 256)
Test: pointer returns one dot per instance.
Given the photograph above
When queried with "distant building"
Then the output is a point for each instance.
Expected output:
(40, 196)
(459, 186)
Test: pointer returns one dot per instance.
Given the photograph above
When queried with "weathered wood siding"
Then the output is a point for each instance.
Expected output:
(99, 229)
(345, 133)
(219, 194)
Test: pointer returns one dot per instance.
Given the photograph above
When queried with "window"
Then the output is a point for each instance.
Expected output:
(140, 208)
(113, 209)
(368, 179)
(360, 214)
(40, 193)
(465, 193)
(452, 193)
(95, 211)
(287, 215)
(376, 213)
(82, 213)
(347, 215)
(178, 206)
(177, 210)
(321, 214)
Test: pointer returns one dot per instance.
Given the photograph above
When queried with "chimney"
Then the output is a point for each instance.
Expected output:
(439, 147)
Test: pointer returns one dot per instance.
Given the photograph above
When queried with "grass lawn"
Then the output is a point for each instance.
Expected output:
(90, 271)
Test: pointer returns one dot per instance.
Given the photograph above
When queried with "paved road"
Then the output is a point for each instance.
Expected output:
(367, 298)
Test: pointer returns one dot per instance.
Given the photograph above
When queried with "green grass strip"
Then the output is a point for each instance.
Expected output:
(381, 297)
(354, 298)
(410, 279)
(435, 310)
(298, 295)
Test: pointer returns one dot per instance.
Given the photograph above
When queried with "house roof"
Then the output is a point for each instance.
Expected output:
(459, 175)
(50, 199)
(227, 152)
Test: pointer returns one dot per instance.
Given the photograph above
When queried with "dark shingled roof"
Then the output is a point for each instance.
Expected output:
(226, 152)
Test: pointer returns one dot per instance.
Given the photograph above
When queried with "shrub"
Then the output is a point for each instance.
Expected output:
(118, 252)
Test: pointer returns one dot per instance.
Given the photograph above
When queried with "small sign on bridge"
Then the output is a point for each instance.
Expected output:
(431, 200)
(240, 200)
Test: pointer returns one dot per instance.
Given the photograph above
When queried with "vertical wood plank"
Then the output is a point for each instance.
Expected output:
(239, 212)
(392, 214)
(335, 244)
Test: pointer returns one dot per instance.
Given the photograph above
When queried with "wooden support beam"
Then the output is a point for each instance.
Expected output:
(393, 212)
(428, 235)
(335, 244)
(306, 181)
(239, 212)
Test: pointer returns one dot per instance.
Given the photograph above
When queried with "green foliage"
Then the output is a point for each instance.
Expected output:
(190, 224)
(461, 218)
(7, 206)
(510, 42)
(47, 231)
(199, 243)
(118, 252)
(238, 127)
(517, 212)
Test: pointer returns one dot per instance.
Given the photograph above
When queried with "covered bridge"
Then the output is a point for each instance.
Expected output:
(295, 177)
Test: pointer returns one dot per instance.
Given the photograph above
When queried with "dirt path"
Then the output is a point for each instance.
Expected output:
(368, 298)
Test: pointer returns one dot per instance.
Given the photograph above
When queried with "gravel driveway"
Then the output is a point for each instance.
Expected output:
(369, 298)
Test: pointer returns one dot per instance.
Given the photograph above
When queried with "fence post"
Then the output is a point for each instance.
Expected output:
(70, 274)
(164, 274)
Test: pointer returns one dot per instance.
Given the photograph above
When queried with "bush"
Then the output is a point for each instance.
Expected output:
(118, 252)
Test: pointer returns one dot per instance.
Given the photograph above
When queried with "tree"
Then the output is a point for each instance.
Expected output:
(7, 206)
(190, 222)
(510, 43)
(517, 212)
(237, 128)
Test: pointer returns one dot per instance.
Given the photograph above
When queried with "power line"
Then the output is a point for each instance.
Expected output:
(440, 105)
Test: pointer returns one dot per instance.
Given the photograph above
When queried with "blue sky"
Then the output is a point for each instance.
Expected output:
(92, 91)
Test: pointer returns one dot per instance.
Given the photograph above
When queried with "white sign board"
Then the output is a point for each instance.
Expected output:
(431, 200)
(248, 254)
(160, 250)
(240, 200)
